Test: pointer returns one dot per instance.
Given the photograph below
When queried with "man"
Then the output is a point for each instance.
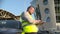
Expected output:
(28, 22)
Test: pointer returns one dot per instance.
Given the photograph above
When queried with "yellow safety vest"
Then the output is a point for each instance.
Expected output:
(28, 26)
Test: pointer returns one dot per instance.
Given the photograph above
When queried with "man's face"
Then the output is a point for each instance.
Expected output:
(31, 10)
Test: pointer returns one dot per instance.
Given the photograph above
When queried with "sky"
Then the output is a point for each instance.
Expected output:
(15, 7)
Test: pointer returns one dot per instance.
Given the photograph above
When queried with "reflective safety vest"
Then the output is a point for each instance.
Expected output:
(28, 27)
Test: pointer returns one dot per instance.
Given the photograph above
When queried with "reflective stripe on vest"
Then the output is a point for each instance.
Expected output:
(24, 23)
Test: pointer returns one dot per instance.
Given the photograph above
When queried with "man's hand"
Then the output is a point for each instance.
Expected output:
(39, 22)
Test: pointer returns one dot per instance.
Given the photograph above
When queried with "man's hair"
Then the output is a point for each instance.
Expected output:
(29, 8)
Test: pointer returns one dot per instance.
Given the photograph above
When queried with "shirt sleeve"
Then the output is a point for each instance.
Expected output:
(28, 17)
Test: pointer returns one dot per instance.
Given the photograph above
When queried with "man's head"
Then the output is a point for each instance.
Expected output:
(31, 9)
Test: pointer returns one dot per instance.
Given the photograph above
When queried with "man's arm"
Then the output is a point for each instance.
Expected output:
(30, 19)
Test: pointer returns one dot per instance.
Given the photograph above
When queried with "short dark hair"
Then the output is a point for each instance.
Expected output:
(29, 7)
